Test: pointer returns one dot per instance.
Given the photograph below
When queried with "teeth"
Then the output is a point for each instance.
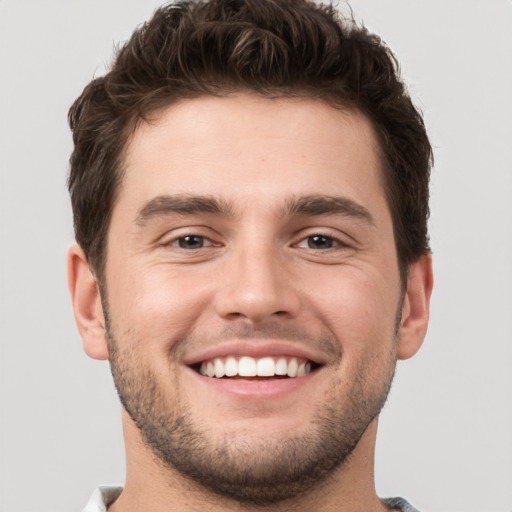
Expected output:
(304, 369)
(247, 367)
(281, 366)
(265, 367)
(231, 367)
(219, 368)
(292, 368)
(250, 367)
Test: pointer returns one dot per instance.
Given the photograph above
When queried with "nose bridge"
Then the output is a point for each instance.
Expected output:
(257, 285)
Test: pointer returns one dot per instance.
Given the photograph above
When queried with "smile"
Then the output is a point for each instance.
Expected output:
(246, 366)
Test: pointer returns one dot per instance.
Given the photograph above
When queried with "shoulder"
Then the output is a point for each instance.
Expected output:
(101, 498)
(399, 504)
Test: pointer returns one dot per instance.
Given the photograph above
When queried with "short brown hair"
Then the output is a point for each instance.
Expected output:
(275, 48)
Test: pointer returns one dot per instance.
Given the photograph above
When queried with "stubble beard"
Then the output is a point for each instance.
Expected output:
(259, 472)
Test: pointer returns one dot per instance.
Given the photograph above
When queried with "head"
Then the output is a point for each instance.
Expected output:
(250, 191)
(273, 49)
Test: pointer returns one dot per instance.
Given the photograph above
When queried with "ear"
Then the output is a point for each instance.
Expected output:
(416, 307)
(86, 300)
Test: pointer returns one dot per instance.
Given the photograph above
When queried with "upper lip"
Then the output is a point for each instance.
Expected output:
(257, 349)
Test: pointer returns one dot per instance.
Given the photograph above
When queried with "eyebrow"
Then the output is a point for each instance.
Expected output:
(328, 205)
(182, 204)
(311, 205)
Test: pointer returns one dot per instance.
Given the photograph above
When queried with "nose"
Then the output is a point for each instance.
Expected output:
(257, 286)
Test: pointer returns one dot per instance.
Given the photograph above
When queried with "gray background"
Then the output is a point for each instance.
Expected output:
(445, 437)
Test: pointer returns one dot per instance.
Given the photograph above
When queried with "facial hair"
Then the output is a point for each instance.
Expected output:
(258, 472)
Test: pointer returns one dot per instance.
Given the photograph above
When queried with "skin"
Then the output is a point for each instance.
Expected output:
(260, 282)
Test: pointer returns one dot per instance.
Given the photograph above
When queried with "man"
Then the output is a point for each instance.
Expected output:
(250, 194)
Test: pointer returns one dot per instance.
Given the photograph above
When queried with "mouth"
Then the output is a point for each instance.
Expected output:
(262, 368)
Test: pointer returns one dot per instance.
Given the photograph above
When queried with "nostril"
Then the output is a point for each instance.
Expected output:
(235, 314)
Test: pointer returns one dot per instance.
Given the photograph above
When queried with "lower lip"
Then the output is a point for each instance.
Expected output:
(247, 389)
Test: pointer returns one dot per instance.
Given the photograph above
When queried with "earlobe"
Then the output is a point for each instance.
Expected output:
(416, 307)
(86, 300)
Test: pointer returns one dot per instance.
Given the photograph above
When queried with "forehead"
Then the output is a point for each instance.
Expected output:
(249, 150)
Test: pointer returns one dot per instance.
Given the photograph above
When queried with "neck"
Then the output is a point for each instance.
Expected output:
(151, 486)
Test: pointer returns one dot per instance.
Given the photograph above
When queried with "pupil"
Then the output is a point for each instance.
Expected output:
(320, 242)
(191, 242)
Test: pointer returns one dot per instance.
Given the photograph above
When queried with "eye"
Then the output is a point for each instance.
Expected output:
(192, 242)
(318, 242)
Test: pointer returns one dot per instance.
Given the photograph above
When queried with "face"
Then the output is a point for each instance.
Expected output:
(252, 291)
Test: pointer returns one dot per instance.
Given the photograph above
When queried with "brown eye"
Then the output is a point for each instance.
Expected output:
(191, 242)
(320, 242)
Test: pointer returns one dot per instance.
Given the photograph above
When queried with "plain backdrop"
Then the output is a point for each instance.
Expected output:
(445, 438)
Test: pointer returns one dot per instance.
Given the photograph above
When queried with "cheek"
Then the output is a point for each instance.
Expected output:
(158, 304)
(359, 307)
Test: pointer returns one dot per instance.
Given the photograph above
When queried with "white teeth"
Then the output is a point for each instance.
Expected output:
(265, 367)
(292, 368)
(250, 367)
(247, 367)
(281, 366)
(231, 367)
(219, 368)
